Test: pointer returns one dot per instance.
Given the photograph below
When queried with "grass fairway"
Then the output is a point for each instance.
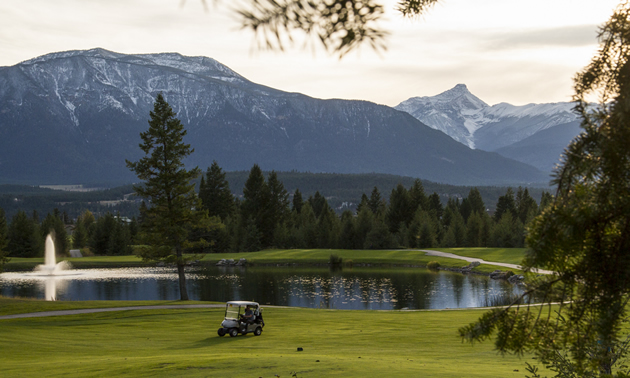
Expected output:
(184, 343)
(406, 257)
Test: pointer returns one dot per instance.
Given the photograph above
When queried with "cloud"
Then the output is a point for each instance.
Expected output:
(567, 36)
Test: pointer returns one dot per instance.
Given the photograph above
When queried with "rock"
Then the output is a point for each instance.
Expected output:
(241, 262)
(516, 279)
(468, 268)
(500, 275)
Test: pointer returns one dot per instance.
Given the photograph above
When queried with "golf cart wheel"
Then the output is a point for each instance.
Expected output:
(257, 331)
(221, 332)
(233, 332)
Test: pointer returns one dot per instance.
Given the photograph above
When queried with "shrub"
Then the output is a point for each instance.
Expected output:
(335, 260)
(433, 265)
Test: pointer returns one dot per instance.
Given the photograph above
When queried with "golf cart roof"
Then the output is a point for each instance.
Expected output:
(242, 303)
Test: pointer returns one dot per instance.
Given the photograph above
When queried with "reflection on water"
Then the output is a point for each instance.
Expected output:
(357, 288)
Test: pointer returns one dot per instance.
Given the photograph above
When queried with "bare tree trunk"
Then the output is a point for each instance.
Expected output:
(183, 293)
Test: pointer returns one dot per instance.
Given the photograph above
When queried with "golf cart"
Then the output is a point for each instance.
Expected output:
(242, 317)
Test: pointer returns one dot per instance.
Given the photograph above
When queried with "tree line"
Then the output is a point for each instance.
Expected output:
(25, 235)
(268, 216)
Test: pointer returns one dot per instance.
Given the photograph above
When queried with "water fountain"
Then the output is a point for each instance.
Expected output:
(50, 267)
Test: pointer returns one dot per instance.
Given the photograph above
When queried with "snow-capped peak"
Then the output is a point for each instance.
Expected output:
(462, 115)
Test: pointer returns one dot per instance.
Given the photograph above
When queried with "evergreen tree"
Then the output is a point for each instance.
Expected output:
(215, 193)
(348, 237)
(364, 224)
(375, 202)
(318, 203)
(379, 236)
(474, 228)
(24, 238)
(526, 206)
(476, 202)
(253, 237)
(400, 208)
(364, 203)
(584, 233)
(298, 202)
(104, 229)
(256, 206)
(434, 205)
(167, 185)
(279, 201)
(4, 240)
(546, 199)
(53, 223)
(80, 234)
(418, 198)
(505, 204)
(328, 228)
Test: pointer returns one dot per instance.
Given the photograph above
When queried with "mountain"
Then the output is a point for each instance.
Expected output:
(501, 127)
(75, 116)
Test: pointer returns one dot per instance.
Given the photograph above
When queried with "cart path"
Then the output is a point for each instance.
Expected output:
(471, 259)
(106, 309)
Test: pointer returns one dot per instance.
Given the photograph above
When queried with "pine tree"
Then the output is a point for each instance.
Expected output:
(417, 197)
(526, 206)
(434, 206)
(375, 202)
(80, 235)
(256, 206)
(298, 202)
(24, 238)
(168, 188)
(215, 193)
(400, 208)
(4, 240)
(505, 204)
(53, 224)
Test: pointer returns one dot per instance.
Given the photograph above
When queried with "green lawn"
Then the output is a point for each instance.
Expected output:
(311, 256)
(184, 343)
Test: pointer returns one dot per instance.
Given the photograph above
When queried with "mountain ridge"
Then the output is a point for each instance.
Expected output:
(499, 127)
(76, 116)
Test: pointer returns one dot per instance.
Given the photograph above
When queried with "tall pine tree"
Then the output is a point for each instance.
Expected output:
(167, 186)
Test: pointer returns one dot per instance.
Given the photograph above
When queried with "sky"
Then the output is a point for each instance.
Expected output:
(511, 51)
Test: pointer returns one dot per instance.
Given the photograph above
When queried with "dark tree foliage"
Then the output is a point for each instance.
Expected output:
(417, 197)
(376, 203)
(400, 208)
(526, 206)
(256, 206)
(318, 203)
(173, 208)
(505, 204)
(434, 206)
(584, 234)
(215, 193)
(297, 202)
(53, 223)
(339, 25)
(4, 240)
(24, 238)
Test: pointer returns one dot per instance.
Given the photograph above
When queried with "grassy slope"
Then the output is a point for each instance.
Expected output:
(184, 343)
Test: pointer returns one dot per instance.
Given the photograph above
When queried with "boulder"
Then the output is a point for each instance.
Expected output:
(501, 275)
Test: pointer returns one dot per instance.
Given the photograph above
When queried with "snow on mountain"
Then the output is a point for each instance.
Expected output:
(455, 112)
(75, 116)
(469, 120)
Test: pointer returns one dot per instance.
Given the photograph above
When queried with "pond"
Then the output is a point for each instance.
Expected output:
(358, 288)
